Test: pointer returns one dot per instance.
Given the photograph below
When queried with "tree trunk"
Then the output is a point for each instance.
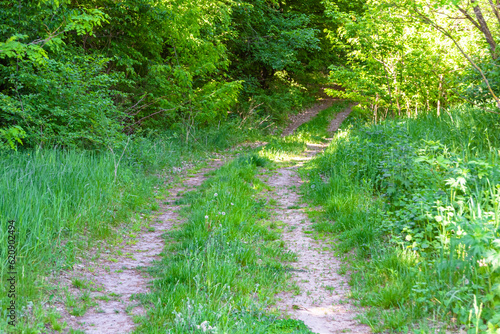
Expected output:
(398, 105)
(494, 8)
(440, 92)
(484, 28)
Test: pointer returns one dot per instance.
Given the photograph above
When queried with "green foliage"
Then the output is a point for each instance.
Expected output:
(267, 54)
(153, 65)
(84, 74)
(474, 86)
(397, 63)
(178, 63)
(11, 137)
(269, 38)
(65, 102)
(431, 232)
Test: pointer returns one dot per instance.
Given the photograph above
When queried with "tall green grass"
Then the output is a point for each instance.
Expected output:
(419, 201)
(62, 201)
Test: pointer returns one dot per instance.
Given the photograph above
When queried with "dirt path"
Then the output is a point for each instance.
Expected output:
(114, 280)
(322, 302)
(305, 116)
(341, 116)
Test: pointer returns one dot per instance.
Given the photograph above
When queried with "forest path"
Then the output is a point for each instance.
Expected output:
(322, 302)
(108, 284)
(114, 280)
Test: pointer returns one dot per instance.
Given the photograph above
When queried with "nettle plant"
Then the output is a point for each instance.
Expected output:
(444, 209)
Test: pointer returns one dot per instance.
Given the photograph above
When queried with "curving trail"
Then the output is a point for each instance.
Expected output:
(305, 116)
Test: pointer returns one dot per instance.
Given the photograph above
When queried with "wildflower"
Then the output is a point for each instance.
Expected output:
(206, 217)
(232, 203)
(223, 213)
(482, 263)
(205, 326)
(215, 195)
(312, 186)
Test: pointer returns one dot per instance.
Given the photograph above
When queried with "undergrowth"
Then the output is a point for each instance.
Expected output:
(418, 199)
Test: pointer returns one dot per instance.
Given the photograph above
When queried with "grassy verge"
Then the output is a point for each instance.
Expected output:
(222, 268)
(419, 202)
(66, 202)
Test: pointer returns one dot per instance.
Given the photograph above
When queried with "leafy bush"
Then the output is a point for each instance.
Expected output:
(66, 102)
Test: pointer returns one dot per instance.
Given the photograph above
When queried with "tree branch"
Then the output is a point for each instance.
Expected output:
(470, 18)
(469, 59)
(155, 113)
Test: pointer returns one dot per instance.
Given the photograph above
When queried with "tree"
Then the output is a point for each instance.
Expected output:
(454, 17)
(395, 63)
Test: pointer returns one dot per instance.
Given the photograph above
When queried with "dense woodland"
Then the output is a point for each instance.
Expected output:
(86, 73)
(100, 97)
(83, 74)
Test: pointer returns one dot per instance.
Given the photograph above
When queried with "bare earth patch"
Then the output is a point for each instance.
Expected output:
(115, 280)
(322, 302)
(341, 116)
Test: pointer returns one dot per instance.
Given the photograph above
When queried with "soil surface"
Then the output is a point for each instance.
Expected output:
(341, 116)
(322, 302)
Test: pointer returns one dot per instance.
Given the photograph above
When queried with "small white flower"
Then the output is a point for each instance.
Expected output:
(223, 213)
(219, 213)
(206, 217)
(215, 195)
(232, 203)
(482, 263)
(203, 326)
